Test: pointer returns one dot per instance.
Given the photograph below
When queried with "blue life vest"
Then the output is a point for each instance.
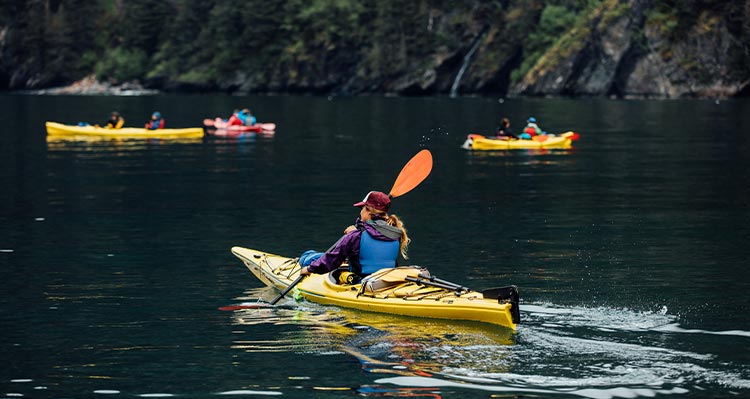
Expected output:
(247, 119)
(375, 255)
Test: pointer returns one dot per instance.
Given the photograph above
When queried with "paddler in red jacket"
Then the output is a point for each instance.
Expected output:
(234, 120)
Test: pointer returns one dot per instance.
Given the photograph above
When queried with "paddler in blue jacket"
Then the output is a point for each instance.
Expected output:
(372, 243)
(156, 122)
(246, 117)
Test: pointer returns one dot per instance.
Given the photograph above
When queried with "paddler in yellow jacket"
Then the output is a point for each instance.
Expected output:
(115, 121)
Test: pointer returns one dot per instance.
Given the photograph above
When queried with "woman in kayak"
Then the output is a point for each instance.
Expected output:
(372, 243)
(504, 131)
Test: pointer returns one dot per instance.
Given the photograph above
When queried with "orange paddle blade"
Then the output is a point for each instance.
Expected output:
(413, 173)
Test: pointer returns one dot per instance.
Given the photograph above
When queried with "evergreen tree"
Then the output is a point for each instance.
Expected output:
(143, 24)
(183, 57)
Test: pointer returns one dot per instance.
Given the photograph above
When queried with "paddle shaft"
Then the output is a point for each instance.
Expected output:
(413, 173)
(450, 286)
(444, 282)
(287, 289)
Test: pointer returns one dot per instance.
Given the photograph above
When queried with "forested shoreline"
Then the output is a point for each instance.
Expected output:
(615, 48)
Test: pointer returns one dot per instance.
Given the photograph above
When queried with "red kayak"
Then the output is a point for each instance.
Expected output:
(220, 124)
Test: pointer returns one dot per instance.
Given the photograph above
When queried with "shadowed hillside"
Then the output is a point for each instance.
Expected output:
(626, 48)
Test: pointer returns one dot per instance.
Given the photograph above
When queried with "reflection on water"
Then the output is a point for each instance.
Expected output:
(108, 143)
(105, 146)
(115, 253)
(621, 353)
(382, 344)
(238, 136)
(520, 152)
(325, 328)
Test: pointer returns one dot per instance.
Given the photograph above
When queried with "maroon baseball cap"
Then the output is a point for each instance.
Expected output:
(376, 200)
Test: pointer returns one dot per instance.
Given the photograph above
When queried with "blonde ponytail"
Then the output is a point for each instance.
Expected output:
(394, 221)
(404, 241)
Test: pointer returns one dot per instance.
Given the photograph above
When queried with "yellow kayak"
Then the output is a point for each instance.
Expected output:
(59, 130)
(479, 142)
(409, 291)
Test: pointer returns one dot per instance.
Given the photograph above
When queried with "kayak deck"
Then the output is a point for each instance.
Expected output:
(415, 297)
(59, 130)
(220, 124)
(479, 142)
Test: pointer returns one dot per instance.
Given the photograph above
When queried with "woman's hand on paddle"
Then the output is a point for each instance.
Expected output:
(304, 271)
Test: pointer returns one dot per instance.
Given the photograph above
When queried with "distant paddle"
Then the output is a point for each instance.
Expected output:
(413, 173)
(267, 126)
(573, 136)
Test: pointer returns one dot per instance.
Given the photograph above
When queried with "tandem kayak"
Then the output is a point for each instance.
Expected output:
(408, 291)
(224, 129)
(61, 131)
(479, 142)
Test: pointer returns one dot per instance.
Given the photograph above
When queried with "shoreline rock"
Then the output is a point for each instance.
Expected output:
(90, 86)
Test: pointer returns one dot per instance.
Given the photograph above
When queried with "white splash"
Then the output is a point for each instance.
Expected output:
(250, 392)
(674, 327)
(593, 393)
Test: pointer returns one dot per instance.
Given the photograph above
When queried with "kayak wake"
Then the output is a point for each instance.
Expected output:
(621, 353)
(611, 319)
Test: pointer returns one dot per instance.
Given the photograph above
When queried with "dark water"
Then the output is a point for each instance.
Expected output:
(630, 250)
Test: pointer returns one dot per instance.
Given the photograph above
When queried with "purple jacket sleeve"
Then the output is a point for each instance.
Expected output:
(347, 246)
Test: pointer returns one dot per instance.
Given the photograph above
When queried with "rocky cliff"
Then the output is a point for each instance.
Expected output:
(618, 48)
(627, 50)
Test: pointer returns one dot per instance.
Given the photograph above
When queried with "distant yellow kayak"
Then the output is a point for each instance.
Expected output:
(479, 142)
(61, 131)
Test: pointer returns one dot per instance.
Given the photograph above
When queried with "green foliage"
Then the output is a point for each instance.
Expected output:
(122, 64)
(143, 23)
(675, 18)
(553, 22)
(109, 7)
(282, 43)
(196, 77)
(666, 21)
(332, 17)
(613, 13)
(87, 61)
(187, 47)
